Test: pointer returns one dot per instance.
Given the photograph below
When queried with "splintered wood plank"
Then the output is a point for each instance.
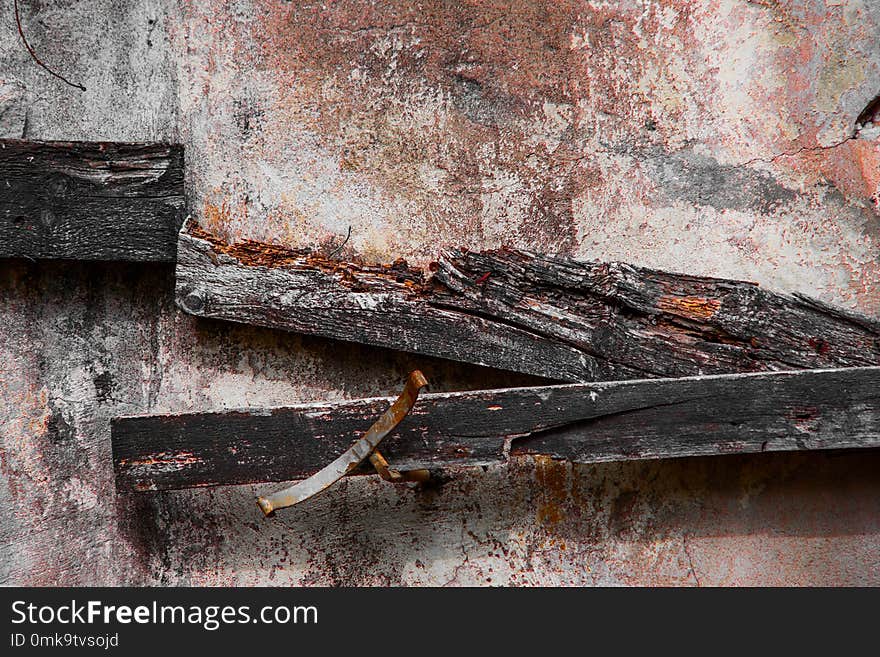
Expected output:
(90, 200)
(585, 423)
(555, 317)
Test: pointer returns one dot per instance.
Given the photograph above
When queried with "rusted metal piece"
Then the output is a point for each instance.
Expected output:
(396, 476)
(355, 455)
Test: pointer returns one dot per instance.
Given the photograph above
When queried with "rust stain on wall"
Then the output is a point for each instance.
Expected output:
(552, 480)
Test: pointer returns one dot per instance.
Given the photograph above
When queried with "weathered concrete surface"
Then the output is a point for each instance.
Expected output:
(712, 137)
(117, 49)
(717, 137)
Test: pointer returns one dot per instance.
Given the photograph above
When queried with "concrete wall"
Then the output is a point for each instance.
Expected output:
(712, 137)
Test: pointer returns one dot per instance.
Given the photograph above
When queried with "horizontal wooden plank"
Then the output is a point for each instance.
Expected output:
(379, 309)
(90, 200)
(550, 316)
(618, 420)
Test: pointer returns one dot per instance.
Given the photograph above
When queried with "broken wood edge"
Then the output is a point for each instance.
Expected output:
(582, 423)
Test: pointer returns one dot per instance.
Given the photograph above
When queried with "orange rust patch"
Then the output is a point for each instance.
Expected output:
(250, 252)
(854, 168)
(356, 276)
(697, 308)
(552, 478)
(216, 217)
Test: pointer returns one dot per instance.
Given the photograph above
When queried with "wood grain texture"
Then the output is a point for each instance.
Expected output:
(555, 317)
(90, 200)
(612, 421)
(361, 305)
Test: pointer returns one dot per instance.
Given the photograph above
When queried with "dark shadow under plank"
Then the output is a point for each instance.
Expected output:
(90, 200)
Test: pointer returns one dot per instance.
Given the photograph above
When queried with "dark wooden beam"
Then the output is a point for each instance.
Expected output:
(613, 421)
(554, 317)
(90, 201)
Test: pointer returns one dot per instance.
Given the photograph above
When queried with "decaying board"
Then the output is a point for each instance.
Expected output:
(614, 421)
(90, 200)
(555, 317)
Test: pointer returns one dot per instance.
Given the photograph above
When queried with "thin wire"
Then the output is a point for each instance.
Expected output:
(34, 55)
(339, 248)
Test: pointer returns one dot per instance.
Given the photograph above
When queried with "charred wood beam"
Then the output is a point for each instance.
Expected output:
(90, 200)
(550, 316)
(584, 423)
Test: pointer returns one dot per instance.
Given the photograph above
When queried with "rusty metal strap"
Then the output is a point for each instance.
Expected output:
(353, 456)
